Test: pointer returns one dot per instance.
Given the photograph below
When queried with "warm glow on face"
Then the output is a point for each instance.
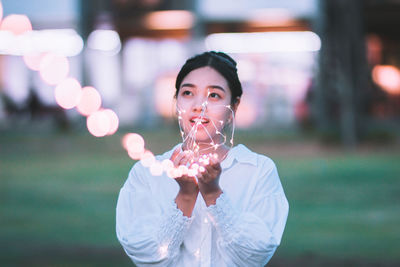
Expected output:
(387, 77)
(90, 101)
(33, 61)
(53, 68)
(17, 24)
(68, 93)
(202, 104)
(169, 20)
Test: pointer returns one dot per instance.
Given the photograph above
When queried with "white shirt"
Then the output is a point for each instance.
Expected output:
(243, 228)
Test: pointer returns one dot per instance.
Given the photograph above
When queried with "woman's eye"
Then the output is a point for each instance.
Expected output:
(214, 95)
(186, 92)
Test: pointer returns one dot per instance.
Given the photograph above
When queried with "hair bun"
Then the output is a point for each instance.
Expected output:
(224, 57)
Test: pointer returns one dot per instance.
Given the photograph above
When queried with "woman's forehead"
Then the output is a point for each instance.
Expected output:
(205, 76)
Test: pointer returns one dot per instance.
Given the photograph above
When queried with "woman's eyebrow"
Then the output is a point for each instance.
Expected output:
(216, 87)
(188, 85)
(210, 86)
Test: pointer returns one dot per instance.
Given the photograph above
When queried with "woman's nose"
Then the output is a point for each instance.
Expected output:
(199, 105)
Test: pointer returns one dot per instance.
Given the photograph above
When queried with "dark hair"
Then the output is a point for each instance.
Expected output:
(219, 61)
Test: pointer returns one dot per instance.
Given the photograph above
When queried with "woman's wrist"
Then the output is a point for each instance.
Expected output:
(185, 202)
(188, 194)
(210, 197)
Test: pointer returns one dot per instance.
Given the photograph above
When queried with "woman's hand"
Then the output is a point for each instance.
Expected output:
(187, 184)
(208, 181)
(188, 187)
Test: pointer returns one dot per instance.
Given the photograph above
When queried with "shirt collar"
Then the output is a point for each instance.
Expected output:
(241, 154)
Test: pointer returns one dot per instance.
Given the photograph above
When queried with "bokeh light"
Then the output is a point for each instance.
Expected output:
(90, 101)
(53, 68)
(32, 61)
(169, 19)
(147, 159)
(387, 77)
(68, 93)
(167, 164)
(134, 144)
(17, 24)
(105, 41)
(98, 123)
(113, 119)
(156, 168)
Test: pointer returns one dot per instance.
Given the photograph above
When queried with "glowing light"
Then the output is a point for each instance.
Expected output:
(171, 173)
(192, 172)
(147, 159)
(68, 93)
(98, 123)
(33, 61)
(135, 155)
(17, 24)
(167, 164)
(177, 172)
(53, 68)
(90, 101)
(271, 17)
(156, 168)
(105, 41)
(133, 142)
(183, 169)
(169, 20)
(388, 78)
(195, 166)
(113, 119)
(264, 42)
(64, 42)
(163, 251)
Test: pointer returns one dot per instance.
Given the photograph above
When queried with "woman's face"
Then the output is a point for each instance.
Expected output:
(203, 105)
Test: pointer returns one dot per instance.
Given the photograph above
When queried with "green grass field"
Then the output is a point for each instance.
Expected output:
(58, 194)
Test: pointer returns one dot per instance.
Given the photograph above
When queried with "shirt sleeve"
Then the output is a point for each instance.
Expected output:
(250, 237)
(149, 230)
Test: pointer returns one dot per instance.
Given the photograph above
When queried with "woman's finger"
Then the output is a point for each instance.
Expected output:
(175, 153)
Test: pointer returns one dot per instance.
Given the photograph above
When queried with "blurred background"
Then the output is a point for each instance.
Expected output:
(321, 83)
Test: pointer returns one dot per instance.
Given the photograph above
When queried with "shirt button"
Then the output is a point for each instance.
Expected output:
(205, 220)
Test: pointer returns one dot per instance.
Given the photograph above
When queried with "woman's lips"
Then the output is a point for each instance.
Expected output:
(198, 120)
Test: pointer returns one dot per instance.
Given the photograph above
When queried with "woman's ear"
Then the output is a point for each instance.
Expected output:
(235, 104)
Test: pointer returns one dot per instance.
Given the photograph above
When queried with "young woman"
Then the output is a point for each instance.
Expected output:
(231, 212)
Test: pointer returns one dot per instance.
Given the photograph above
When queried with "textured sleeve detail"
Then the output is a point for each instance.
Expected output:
(224, 217)
(173, 229)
